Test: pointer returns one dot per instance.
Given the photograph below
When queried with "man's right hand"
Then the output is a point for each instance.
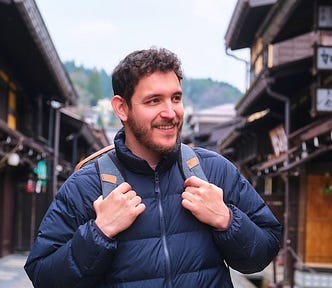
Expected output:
(118, 210)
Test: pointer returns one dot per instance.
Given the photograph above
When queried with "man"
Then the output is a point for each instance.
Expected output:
(156, 229)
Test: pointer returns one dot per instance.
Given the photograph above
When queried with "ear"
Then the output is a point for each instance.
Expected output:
(120, 107)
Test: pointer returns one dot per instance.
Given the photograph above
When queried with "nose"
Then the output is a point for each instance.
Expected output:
(168, 111)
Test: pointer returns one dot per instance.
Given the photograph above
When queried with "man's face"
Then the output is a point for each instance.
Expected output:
(155, 119)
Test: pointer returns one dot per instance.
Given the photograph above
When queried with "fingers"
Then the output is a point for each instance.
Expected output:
(189, 195)
(140, 208)
(123, 187)
(129, 195)
(97, 202)
(199, 187)
(124, 194)
(136, 200)
(118, 211)
(187, 204)
(194, 182)
(121, 191)
(190, 200)
(199, 194)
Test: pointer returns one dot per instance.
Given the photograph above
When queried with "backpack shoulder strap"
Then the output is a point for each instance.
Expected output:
(94, 156)
(111, 176)
(190, 163)
(109, 173)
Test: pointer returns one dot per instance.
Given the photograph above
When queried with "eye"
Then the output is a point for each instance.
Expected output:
(177, 98)
(153, 101)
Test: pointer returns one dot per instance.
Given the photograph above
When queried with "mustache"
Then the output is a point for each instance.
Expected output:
(169, 122)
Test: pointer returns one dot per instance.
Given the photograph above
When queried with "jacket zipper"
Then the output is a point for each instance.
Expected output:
(163, 232)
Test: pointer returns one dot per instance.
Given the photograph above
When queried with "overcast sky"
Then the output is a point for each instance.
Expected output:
(99, 33)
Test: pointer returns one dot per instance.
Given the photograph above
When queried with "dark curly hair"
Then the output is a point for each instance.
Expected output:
(139, 64)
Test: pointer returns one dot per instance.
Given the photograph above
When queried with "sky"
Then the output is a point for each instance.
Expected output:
(99, 33)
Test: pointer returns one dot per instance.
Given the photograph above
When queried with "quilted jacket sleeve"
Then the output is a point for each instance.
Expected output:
(56, 258)
(253, 238)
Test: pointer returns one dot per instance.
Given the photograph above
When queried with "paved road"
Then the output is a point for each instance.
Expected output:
(12, 274)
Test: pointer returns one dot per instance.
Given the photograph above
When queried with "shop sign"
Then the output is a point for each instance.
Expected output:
(324, 58)
(41, 171)
(279, 140)
(325, 16)
(323, 100)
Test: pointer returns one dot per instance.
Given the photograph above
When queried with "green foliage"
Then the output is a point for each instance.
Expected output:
(93, 85)
(206, 93)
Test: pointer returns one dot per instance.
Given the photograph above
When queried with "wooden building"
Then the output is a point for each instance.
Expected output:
(40, 138)
(284, 146)
(206, 127)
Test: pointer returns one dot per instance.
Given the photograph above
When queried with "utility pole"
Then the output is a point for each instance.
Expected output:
(56, 106)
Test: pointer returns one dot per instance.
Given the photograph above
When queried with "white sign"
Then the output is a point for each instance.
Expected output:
(325, 16)
(324, 58)
(279, 140)
(324, 100)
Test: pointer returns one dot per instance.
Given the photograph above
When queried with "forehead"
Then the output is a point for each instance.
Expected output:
(159, 83)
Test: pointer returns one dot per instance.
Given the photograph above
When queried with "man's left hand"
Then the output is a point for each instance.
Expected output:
(205, 201)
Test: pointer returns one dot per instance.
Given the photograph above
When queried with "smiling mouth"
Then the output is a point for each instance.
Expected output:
(165, 127)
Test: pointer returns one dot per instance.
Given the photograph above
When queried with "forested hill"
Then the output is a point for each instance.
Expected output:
(93, 84)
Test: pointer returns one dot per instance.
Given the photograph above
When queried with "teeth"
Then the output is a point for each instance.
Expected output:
(164, 127)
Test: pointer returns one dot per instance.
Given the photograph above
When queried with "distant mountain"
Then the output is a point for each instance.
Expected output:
(93, 85)
(206, 93)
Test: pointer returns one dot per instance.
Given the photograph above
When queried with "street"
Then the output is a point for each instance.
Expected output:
(12, 274)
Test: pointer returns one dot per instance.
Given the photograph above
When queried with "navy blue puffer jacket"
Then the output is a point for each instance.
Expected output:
(166, 246)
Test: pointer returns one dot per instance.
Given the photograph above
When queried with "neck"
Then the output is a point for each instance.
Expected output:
(144, 153)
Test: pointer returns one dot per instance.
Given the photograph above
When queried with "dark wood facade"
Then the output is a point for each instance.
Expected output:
(284, 145)
(40, 138)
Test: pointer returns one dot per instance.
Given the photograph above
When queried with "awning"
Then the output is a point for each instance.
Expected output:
(27, 148)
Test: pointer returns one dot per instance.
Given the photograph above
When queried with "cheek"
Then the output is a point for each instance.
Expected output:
(180, 113)
(143, 116)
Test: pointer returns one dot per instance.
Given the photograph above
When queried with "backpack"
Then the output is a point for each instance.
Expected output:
(110, 168)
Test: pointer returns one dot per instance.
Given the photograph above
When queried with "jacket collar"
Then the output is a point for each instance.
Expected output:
(139, 165)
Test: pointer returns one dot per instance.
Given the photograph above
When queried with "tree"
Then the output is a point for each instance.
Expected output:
(94, 87)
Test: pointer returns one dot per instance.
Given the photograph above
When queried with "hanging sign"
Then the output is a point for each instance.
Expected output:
(325, 16)
(324, 58)
(41, 171)
(323, 100)
(279, 140)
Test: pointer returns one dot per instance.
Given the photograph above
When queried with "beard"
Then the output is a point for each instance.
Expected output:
(144, 136)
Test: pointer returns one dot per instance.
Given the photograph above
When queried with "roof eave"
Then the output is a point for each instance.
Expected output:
(243, 16)
(31, 16)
